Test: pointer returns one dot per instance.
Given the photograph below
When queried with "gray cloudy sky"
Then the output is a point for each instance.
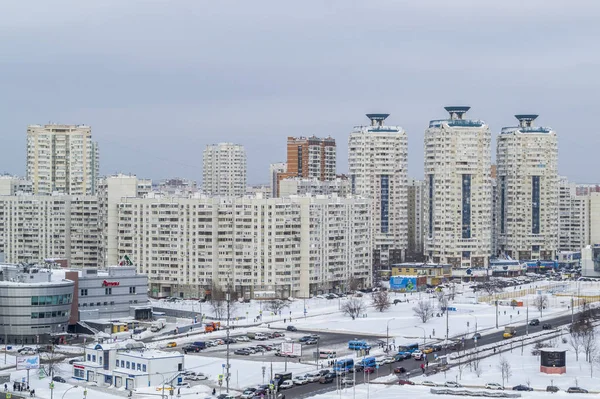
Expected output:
(158, 80)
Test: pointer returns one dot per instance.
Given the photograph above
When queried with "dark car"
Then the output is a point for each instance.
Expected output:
(333, 374)
(305, 338)
(552, 388)
(326, 379)
(242, 352)
(477, 336)
(534, 322)
(577, 390)
(358, 367)
(323, 372)
(547, 326)
(438, 348)
(405, 382)
(291, 328)
(191, 348)
(399, 370)
(522, 388)
(60, 379)
(229, 341)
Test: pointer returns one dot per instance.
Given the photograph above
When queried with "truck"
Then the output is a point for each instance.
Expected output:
(212, 326)
(509, 332)
(158, 325)
(280, 377)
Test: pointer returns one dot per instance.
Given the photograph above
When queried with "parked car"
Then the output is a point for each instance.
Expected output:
(522, 387)
(428, 383)
(60, 379)
(76, 360)
(405, 382)
(191, 348)
(326, 379)
(552, 388)
(287, 384)
(243, 352)
(399, 370)
(369, 370)
(312, 377)
(347, 381)
(291, 328)
(278, 334)
(546, 326)
(577, 390)
(171, 344)
(493, 385)
(438, 348)
(248, 393)
(305, 338)
(310, 342)
(452, 384)
(476, 336)
(242, 338)
(534, 322)
(197, 377)
(27, 351)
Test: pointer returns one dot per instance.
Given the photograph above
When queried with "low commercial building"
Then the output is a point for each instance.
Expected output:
(117, 292)
(435, 274)
(33, 306)
(123, 364)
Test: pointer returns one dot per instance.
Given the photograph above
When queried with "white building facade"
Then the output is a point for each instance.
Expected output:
(573, 217)
(458, 197)
(416, 193)
(289, 246)
(528, 194)
(62, 159)
(224, 172)
(377, 162)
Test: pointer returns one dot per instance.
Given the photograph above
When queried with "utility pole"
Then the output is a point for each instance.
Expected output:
(572, 319)
(496, 314)
(527, 320)
(228, 297)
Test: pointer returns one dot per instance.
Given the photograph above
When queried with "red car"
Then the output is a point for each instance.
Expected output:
(405, 382)
(369, 370)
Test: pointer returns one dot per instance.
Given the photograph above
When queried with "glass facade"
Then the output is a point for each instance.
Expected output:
(466, 206)
(385, 203)
(535, 204)
(431, 206)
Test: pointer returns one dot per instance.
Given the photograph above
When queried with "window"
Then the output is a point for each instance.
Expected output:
(78, 373)
(132, 290)
(83, 292)
(139, 367)
(34, 300)
(108, 291)
(89, 357)
(180, 367)
(93, 358)
(100, 360)
(143, 367)
(123, 363)
(117, 365)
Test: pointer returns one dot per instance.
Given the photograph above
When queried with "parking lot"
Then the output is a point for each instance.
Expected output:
(331, 341)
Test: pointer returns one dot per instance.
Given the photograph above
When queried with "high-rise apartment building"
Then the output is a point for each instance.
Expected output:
(527, 176)
(310, 158)
(14, 185)
(494, 243)
(458, 197)
(274, 170)
(62, 159)
(280, 246)
(377, 163)
(224, 172)
(416, 193)
(38, 227)
(111, 191)
(573, 217)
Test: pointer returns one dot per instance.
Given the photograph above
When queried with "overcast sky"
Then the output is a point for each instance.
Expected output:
(158, 80)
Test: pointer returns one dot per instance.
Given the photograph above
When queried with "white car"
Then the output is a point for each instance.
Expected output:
(286, 384)
(417, 355)
(428, 383)
(300, 380)
(493, 385)
(347, 381)
(313, 377)
(452, 384)
(389, 360)
(242, 338)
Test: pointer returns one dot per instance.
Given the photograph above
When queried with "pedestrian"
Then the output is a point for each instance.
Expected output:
(214, 391)
(284, 320)
(5, 387)
(14, 386)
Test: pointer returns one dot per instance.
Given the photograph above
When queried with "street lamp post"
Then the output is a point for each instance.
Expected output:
(64, 393)
(162, 392)
(424, 333)
(387, 334)
(475, 321)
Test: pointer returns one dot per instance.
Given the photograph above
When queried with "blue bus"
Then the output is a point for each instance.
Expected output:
(368, 362)
(410, 348)
(344, 366)
(358, 345)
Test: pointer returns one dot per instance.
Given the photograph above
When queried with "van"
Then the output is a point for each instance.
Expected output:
(257, 336)
(368, 362)
(200, 344)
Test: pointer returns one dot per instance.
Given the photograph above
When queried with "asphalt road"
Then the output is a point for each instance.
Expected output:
(413, 366)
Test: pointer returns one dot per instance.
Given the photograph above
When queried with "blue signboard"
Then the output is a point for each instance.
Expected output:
(404, 284)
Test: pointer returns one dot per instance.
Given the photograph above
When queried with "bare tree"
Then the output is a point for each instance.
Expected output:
(442, 301)
(276, 306)
(595, 361)
(505, 370)
(353, 307)
(50, 361)
(541, 302)
(381, 300)
(476, 364)
(353, 283)
(489, 288)
(423, 311)
(588, 344)
(575, 342)
(218, 302)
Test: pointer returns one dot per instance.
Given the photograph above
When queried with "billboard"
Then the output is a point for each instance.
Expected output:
(403, 283)
(291, 349)
(28, 362)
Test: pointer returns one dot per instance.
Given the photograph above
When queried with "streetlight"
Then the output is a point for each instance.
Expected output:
(472, 315)
(162, 392)
(424, 333)
(64, 393)
(387, 334)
